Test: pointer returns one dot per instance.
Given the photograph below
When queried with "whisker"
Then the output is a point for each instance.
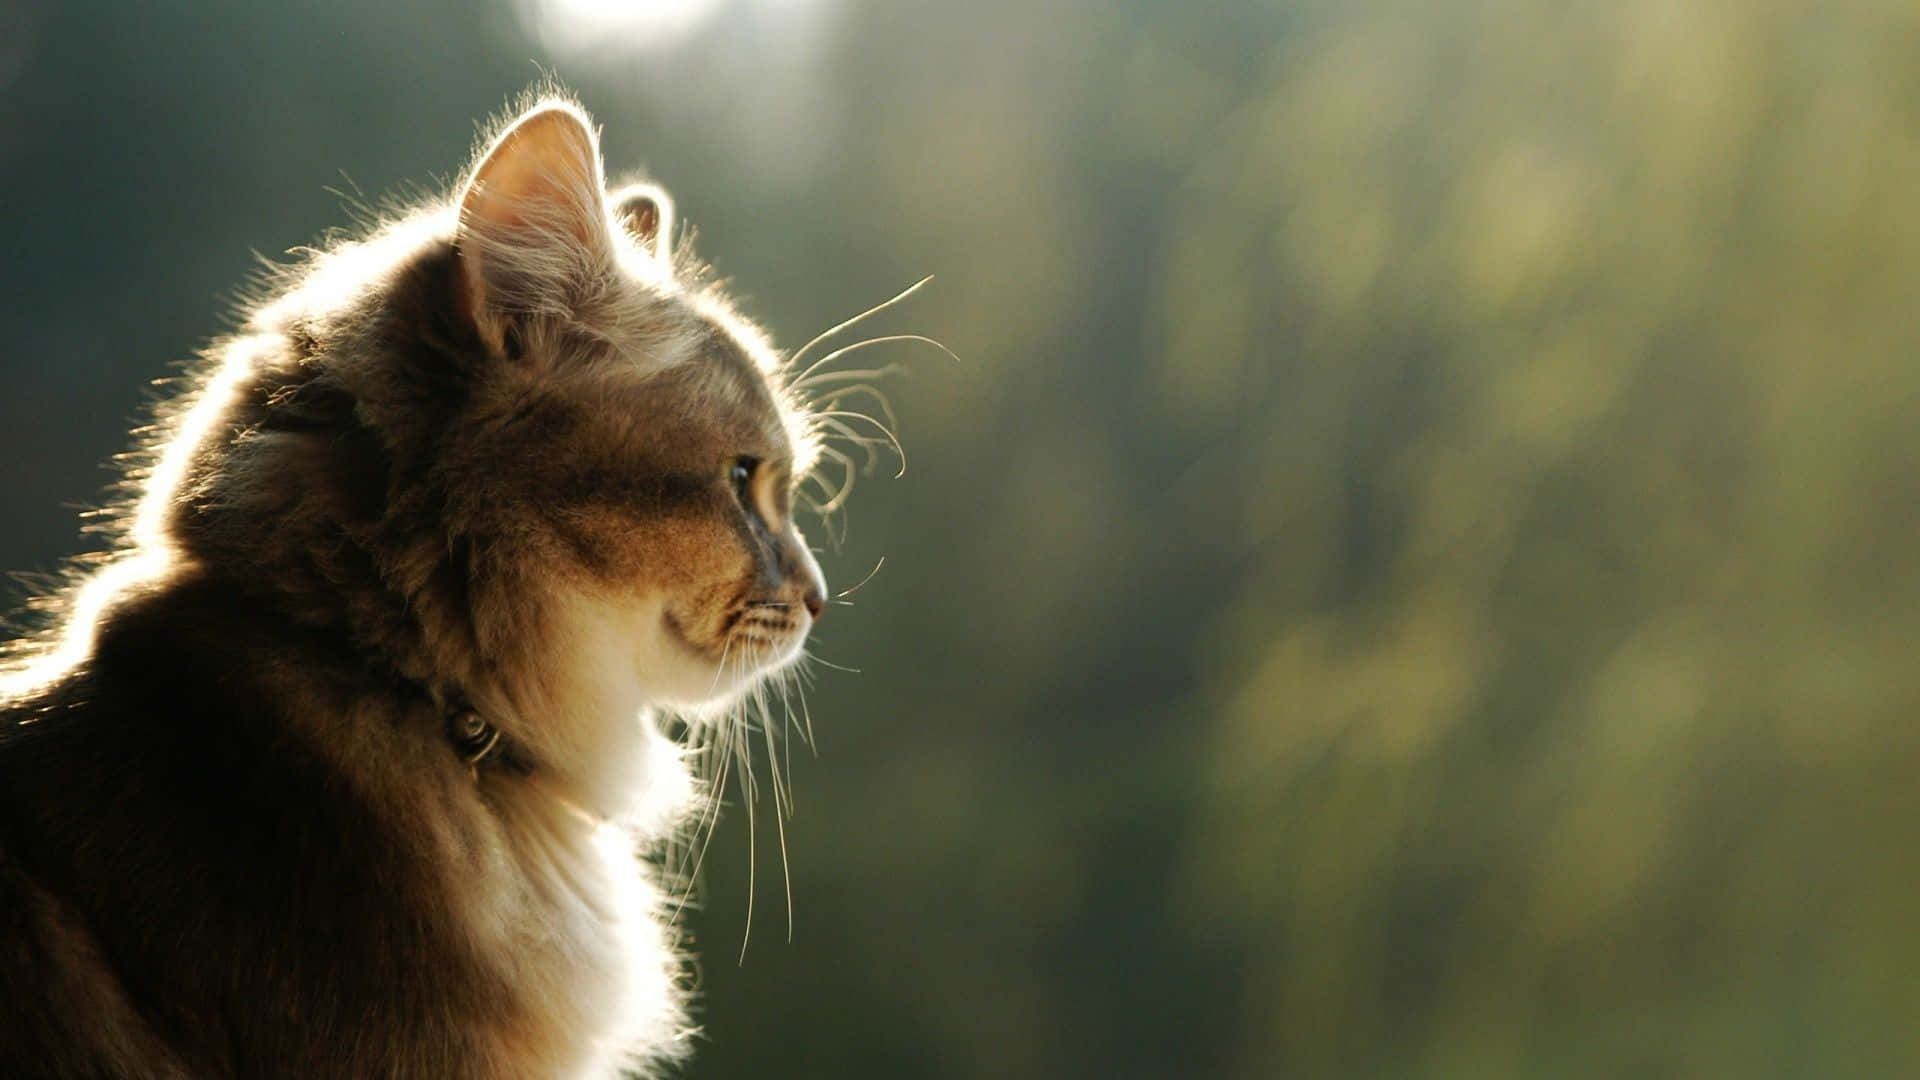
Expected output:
(817, 500)
(864, 442)
(788, 688)
(704, 830)
(886, 406)
(839, 498)
(780, 830)
(745, 748)
(864, 343)
(753, 889)
(825, 377)
(898, 450)
(816, 479)
(850, 590)
(758, 696)
(858, 319)
(830, 431)
(837, 667)
(806, 714)
(720, 668)
(721, 747)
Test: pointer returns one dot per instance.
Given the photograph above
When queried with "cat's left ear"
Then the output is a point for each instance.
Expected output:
(646, 211)
(533, 220)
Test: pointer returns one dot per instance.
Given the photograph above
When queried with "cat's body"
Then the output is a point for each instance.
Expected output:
(340, 767)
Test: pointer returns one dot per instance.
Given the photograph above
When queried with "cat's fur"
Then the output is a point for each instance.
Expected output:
(503, 466)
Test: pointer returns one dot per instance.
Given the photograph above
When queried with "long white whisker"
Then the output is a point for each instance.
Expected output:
(855, 587)
(748, 797)
(786, 742)
(864, 343)
(708, 825)
(830, 424)
(837, 667)
(839, 498)
(780, 829)
(720, 668)
(834, 399)
(756, 695)
(858, 319)
(901, 451)
(806, 714)
(719, 746)
(818, 481)
(753, 889)
(826, 377)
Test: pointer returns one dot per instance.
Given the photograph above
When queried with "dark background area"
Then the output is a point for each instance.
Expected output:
(1412, 575)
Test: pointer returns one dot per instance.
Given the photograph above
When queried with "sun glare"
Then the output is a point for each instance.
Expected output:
(579, 26)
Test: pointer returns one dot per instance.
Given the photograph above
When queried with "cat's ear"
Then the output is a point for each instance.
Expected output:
(533, 220)
(646, 211)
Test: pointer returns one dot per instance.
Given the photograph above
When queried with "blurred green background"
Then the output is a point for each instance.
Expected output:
(1413, 576)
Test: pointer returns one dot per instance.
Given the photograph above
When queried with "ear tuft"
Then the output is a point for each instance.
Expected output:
(533, 216)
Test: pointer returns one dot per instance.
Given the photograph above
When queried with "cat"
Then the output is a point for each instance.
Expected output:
(344, 763)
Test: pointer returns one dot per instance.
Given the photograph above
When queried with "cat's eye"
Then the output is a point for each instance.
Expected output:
(742, 474)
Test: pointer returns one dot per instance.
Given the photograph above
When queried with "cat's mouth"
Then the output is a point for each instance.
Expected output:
(764, 632)
(763, 617)
(754, 637)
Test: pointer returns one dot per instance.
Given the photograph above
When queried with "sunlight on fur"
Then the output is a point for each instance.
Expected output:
(414, 576)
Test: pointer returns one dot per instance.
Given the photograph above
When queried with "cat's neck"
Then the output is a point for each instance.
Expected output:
(564, 688)
(578, 690)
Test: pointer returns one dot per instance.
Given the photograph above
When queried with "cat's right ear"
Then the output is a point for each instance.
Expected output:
(533, 231)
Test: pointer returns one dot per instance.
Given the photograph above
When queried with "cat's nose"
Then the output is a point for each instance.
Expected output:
(815, 603)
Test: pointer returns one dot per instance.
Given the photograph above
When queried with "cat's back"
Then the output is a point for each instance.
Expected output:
(164, 810)
(83, 768)
(67, 1014)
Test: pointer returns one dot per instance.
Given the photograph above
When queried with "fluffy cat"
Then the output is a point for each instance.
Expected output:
(340, 765)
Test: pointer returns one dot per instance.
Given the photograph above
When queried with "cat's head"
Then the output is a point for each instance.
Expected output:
(633, 414)
(520, 446)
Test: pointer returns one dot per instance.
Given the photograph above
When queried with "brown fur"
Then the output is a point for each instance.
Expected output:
(488, 456)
